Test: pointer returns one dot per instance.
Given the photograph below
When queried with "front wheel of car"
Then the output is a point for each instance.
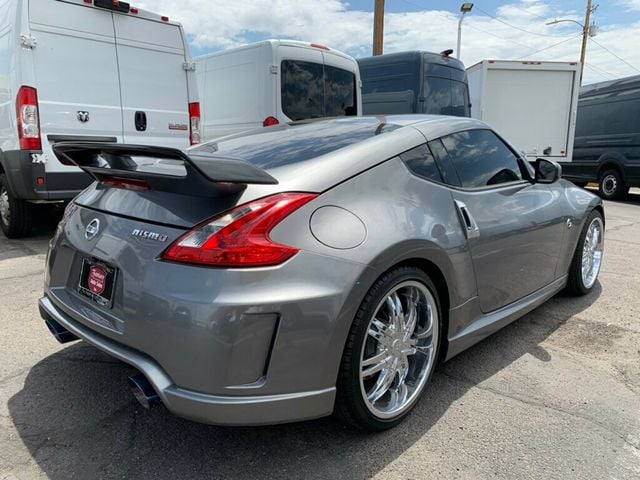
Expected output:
(391, 350)
(611, 186)
(587, 258)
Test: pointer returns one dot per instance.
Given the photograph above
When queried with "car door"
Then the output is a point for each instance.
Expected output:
(514, 228)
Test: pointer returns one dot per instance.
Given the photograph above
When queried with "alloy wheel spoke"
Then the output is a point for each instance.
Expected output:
(375, 363)
(395, 311)
(377, 329)
(383, 384)
(411, 318)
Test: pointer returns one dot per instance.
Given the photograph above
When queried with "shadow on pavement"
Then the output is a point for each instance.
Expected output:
(78, 419)
(45, 220)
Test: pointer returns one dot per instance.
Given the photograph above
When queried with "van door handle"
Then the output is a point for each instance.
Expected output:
(470, 225)
(140, 119)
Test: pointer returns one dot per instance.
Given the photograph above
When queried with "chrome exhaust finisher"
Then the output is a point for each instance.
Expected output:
(143, 391)
(59, 332)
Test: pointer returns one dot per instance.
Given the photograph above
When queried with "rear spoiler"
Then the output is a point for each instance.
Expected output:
(206, 174)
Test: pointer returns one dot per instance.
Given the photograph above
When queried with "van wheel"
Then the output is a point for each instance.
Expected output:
(391, 351)
(15, 214)
(611, 185)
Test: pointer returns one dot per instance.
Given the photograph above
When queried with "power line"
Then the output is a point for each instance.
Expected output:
(516, 27)
(600, 73)
(551, 46)
(615, 55)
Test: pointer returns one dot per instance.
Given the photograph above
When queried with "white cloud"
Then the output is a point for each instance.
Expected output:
(630, 4)
(225, 23)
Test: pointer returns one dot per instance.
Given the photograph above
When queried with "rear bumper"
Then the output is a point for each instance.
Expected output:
(205, 408)
(22, 175)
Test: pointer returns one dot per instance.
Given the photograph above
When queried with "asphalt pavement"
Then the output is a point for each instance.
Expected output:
(555, 395)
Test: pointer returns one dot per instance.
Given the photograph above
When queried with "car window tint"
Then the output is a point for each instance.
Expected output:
(446, 97)
(421, 162)
(339, 92)
(302, 89)
(481, 159)
(610, 118)
(447, 170)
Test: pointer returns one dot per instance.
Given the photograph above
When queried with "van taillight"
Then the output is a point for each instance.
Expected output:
(28, 119)
(240, 238)
(194, 123)
(270, 121)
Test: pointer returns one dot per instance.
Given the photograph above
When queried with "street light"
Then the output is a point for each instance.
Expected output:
(464, 8)
(587, 31)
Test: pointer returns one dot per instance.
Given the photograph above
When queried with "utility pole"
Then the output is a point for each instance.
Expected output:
(585, 36)
(378, 27)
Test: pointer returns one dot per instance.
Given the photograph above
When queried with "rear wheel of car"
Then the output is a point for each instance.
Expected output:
(391, 350)
(587, 258)
(15, 214)
(611, 185)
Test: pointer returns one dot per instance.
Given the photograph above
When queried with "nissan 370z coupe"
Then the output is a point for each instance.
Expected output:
(290, 272)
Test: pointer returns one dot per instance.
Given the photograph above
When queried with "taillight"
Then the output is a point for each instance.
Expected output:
(28, 119)
(125, 183)
(270, 121)
(240, 238)
(194, 123)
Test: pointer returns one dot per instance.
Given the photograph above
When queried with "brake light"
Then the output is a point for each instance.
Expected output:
(28, 119)
(270, 121)
(125, 183)
(321, 47)
(194, 123)
(240, 237)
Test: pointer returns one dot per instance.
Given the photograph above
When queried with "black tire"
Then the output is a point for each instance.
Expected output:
(350, 405)
(16, 222)
(575, 282)
(611, 186)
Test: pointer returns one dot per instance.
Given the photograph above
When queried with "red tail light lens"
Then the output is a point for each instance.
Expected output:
(28, 119)
(194, 123)
(270, 121)
(240, 238)
(126, 184)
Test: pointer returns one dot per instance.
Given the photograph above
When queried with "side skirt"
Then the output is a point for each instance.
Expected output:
(486, 324)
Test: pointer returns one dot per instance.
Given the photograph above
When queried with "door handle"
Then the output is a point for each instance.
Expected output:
(140, 120)
(470, 225)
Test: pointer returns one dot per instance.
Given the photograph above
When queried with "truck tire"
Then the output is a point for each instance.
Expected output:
(611, 186)
(15, 214)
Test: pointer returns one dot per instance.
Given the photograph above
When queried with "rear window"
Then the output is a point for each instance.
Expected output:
(446, 97)
(313, 90)
(285, 145)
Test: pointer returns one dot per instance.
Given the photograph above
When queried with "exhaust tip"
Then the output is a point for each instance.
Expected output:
(143, 391)
(60, 333)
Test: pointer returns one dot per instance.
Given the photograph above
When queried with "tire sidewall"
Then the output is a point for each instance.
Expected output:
(359, 330)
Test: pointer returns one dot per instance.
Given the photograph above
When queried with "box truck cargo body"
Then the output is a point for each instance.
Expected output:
(532, 104)
(89, 71)
(275, 81)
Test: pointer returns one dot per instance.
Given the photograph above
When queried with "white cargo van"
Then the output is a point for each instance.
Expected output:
(533, 104)
(98, 70)
(275, 81)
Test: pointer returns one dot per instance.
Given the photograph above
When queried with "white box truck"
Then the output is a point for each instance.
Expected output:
(532, 104)
(275, 81)
(92, 70)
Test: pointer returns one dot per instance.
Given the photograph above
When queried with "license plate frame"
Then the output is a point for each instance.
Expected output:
(97, 281)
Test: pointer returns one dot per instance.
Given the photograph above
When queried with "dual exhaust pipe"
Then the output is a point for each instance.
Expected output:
(141, 388)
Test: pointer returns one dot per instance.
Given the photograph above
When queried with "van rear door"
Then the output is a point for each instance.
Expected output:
(153, 81)
(76, 74)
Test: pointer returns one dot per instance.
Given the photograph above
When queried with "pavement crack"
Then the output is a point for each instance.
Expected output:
(533, 403)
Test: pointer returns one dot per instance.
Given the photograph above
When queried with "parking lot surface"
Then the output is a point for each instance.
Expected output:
(554, 395)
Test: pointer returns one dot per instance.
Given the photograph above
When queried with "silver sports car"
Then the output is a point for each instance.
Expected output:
(294, 271)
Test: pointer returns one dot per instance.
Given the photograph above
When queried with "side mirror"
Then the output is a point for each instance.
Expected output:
(547, 171)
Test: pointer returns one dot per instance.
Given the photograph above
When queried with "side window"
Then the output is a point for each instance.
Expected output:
(302, 89)
(339, 92)
(447, 170)
(481, 159)
(421, 162)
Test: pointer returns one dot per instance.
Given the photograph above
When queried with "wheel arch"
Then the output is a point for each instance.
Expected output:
(611, 161)
(429, 258)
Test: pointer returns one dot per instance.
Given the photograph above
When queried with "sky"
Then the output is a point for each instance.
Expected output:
(500, 30)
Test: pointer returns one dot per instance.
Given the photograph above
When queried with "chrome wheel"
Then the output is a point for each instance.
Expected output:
(398, 352)
(4, 206)
(609, 184)
(592, 250)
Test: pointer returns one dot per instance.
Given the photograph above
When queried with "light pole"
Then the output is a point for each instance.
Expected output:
(464, 8)
(588, 30)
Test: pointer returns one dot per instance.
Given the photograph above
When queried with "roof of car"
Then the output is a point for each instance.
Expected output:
(313, 156)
